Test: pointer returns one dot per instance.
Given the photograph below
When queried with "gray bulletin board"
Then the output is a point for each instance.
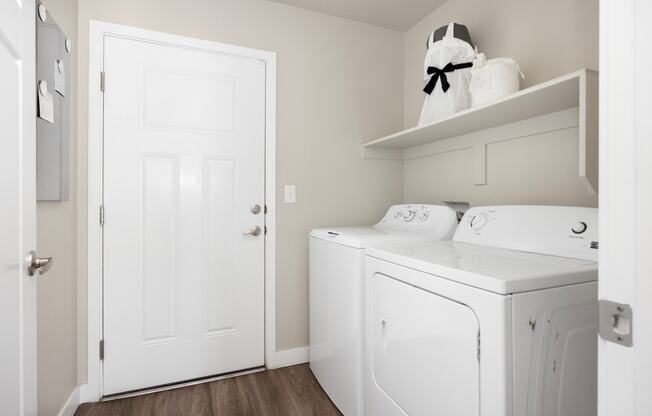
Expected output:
(53, 109)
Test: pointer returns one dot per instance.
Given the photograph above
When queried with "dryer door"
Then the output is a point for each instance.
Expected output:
(424, 353)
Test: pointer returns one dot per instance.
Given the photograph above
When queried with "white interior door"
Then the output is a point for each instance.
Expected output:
(17, 208)
(625, 373)
(184, 163)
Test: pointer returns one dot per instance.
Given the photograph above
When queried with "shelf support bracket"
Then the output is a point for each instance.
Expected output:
(480, 164)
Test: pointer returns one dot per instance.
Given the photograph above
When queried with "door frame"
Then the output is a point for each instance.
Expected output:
(625, 373)
(93, 389)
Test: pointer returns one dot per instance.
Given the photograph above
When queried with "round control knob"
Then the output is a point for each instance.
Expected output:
(424, 216)
(409, 215)
(479, 221)
(579, 227)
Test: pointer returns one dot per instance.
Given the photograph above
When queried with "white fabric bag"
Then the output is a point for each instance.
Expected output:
(443, 70)
(493, 79)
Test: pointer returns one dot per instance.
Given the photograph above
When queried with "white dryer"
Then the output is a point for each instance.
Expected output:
(500, 321)
(336, 293)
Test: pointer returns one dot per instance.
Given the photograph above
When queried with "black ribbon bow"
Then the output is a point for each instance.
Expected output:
(441, 74)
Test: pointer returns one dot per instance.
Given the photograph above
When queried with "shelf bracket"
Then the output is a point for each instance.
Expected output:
(480, 164)
(589, 131)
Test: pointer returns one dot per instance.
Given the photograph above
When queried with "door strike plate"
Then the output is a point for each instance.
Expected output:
(615, 323)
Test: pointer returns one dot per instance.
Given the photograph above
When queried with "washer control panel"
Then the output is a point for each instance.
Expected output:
(423, 218)
(478, 221)
(560, 231)
(579, 227)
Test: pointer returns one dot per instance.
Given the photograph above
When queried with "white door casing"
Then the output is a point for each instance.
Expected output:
(169, 170)
(17, 208)
(625, 374)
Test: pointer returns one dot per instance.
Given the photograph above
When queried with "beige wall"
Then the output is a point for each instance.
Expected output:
(57, 311)
(339, 83)
(547, 38)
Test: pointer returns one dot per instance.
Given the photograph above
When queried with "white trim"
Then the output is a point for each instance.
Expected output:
(270, 217)
(294, 356)
(70, 406)
(92, 391)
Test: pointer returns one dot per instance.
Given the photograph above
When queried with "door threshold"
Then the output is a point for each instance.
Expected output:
(181, 384)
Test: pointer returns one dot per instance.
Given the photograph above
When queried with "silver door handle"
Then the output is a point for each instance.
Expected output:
(255, 230)
(40, 264)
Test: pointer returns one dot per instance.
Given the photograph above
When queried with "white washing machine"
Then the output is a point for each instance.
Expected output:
(500, 321)
(336, 293)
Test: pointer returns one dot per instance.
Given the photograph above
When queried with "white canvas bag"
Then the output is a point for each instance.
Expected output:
(493, 79)
(447, 82)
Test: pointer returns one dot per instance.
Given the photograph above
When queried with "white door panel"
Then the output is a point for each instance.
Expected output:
(183, 164)
(625, 373)
(17, 208)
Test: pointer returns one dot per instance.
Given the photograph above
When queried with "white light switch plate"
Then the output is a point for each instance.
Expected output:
(290, 194)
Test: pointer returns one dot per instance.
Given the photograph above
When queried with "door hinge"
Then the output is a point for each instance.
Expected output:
(102, 81)
(101, 349)
(478, 345)
(102, 215)
(615, 322)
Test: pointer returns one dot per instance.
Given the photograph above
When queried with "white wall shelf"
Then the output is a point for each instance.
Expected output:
(568, 101)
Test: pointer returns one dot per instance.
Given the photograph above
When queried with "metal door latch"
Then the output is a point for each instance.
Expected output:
(615, 323)
(38, 265)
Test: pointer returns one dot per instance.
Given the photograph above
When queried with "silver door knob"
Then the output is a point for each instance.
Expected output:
(256, 209)
(40, 264)
(255, 230)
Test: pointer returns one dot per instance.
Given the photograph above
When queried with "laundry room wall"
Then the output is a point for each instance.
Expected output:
(547, 38)
(339, 83)
(57, 290)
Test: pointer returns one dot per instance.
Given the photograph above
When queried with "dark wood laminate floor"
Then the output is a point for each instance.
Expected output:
(290, 391)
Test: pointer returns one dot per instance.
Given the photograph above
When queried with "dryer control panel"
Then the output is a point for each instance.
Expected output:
(559, 231)
(436, 220)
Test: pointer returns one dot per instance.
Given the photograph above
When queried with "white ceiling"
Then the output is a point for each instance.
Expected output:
(392, 14)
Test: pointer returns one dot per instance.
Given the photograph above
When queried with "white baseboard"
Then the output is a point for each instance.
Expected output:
(294, 356)
(70, 406)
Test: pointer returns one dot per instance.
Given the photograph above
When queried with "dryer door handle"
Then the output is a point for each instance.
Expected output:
(383, 334)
